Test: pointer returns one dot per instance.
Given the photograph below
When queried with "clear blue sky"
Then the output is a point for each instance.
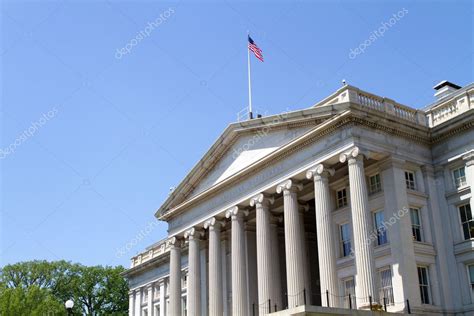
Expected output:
(124, 130)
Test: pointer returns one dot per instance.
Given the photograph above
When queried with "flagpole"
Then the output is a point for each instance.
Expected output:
(250, 84)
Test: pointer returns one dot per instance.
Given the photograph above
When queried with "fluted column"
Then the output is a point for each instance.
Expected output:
(138, 302)
(325, 231)
(175, 277)
(239, 266)
(194, 268)
(162, 298)
(276, 264)
(361, 219)
(264, 251)
(215, 267)
(150, 300)
(293, 247)
(131, 301)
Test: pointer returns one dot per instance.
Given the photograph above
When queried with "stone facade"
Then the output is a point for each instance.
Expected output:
(356, 202)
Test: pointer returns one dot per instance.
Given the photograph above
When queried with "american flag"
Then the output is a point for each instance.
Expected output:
(255, 49)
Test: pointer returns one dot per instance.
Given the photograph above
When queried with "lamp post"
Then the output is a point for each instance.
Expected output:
(69, 305)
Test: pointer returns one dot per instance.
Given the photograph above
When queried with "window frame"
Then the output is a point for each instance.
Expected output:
(343, 200)
(426, 286)
(345, 294)
(344, 242)
(471, 279)
(462, 183)
(377, 186)
(380, 231)
(383, 289)
(410, 183)
(418, 226)
(469, 222)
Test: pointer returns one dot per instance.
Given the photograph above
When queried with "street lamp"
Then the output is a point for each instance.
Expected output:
(69, 305)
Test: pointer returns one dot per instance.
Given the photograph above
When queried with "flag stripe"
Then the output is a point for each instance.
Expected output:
(255, 49)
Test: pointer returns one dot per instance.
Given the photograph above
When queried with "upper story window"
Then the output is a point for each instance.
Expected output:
(466, 221)
(459, 177)
(416, 224)
(470, 271)
(375, 184)
(380, 228)
(385, 287)
(341, 198)
(345, 240)
(424, 281)
(410, 180)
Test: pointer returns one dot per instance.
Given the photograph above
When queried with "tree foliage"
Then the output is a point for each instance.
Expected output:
(41, 288)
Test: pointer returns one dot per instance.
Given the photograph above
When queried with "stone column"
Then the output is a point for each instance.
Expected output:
(162, 298)
(469, 170)
(325, 232)
(175, 277)
(194, 267)
(131, 301)
(239, 266)
(215, 267)
(276, 264)
(293, 247)
(361, 219)
(264, 251)
(138, 302)
(150, 300)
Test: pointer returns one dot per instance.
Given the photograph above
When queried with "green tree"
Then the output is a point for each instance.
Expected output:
(95, 290)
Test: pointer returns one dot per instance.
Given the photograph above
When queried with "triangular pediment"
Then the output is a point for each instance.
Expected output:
(244, 144)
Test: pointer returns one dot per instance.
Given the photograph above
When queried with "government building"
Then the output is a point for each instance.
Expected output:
(356, 203)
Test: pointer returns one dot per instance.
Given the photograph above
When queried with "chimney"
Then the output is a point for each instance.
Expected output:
(445, 88)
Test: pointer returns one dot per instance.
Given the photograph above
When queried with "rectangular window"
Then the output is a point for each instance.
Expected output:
(416, 224)
(385, 287)
(459, 177)
(424, 281)
(349, 293)
(380, 228)
(345, 240)
(341, 198)
(471, 277)
(374, 184)
(466, 221)
(410, 180)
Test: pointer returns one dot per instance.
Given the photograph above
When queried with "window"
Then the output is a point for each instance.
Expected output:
(459, 177)
(341, 198)
(424, 281)
(410, 180)
(184, 306)
(385, 288)
(348, 287)
(416, 224)
(374, 184)
(466, 221)
(345, 240)
(471, 277)
(184, 281)
(380, 228)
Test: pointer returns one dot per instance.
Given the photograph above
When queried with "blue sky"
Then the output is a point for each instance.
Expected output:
(109, 136)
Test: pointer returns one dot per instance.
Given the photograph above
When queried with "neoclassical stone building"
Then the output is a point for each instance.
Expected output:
(357, 201)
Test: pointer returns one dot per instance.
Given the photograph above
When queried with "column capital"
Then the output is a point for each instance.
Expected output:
(235, 212)
(469, 158)
(289, 185)
(213, 223)
(353, 154)
(261, 198)
(319, 170)
(175, 242)
(193, 233)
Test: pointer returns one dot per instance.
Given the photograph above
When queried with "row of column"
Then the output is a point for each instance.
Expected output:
(297, 277)
(135, 300)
